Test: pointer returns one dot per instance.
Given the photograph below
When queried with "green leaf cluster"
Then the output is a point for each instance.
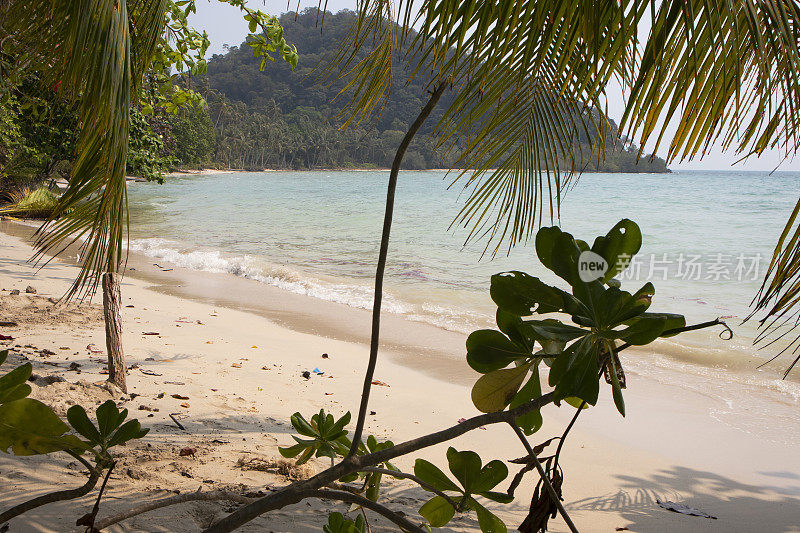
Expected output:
(327, 437)
(337, 523)
(473, 479)
(110, 430)
(29, 427)
(602, 316)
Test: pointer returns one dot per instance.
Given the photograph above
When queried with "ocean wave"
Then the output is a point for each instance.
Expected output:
(245, 266)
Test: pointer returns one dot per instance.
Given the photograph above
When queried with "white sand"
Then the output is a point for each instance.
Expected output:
(670, 446)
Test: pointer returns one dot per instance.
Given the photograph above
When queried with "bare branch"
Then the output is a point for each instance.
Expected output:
(214, 495)
(382, 254)
(293, 493)
(545, 479)
(61, 495)
(348, 497)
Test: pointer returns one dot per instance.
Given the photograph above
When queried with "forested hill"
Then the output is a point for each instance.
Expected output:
(281, 118)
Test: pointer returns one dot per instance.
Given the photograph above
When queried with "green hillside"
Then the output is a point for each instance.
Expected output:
(281, 118)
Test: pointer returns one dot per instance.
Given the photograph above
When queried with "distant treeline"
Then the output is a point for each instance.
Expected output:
(277, 118)
(281, 118)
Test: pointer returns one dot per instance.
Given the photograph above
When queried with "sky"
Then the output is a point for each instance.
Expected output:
(225, 25)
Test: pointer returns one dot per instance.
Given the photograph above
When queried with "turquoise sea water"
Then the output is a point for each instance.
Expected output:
(320, 231)
(708, 237)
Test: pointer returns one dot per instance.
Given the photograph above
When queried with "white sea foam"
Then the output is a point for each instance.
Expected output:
(249, 267)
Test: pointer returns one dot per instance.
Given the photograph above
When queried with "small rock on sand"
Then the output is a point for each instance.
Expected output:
(30, 290)
(14, 292)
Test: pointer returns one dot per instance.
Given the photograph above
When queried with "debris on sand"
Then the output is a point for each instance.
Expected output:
(684, 509)
(277, 466)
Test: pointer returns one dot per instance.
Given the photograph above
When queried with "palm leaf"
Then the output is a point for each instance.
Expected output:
(97, 50)
(527, 79)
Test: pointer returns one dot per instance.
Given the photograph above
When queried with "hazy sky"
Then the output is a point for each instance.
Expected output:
(225, 25)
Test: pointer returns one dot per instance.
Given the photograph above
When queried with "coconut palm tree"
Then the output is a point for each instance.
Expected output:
(97, 52)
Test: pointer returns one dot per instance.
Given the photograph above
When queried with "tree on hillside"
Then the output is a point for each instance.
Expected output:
(313, 111)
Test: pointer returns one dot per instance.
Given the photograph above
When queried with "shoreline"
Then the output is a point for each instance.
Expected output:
(668, 448)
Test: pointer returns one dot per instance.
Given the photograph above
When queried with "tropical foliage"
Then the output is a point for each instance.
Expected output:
(97, 53)
(30, 427)
(27, 202)
(532, 333)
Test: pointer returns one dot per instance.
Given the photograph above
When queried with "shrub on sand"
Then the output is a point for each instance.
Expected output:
(27, 202)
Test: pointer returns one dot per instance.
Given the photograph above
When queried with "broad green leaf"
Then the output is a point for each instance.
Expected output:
(673, 321)
(618, 246)
(488, 522)
(3, 356)
(578, 372)
(302, 426)
(500, 497)
(291, 451)
(493, 391)
(437, 511)
(489, 350)
(555, 330)
(576, 402)
(29, 427)
(79, 420)
(373, 486)
(521, 294)
(16, 377)
(15, 393)
(109, 418)
(643, 331)
(466, 466)
(433, 476)
(616, 389)
(558, 251)
(130, 430)
(13, 385)
(532, 421)
(490, 475)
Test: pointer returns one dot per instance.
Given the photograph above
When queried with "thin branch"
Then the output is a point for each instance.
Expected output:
(61, 495)
(415, 479)
(566, 432)
(171, 500)
(81, 460)
(348, 497)
(90, 519)
(545, 479)
(701, 325)
(384, 250)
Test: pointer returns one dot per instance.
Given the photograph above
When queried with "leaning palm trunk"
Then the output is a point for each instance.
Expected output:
(96, 52)
(112, 301)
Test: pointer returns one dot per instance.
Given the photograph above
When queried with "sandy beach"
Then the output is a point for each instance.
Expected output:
(237, 350)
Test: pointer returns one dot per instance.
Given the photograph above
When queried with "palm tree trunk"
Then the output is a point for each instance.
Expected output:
(112, 302)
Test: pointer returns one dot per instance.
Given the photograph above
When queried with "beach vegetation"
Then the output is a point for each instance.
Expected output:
(28, 202)
(532, 336)
(99, 59)
(30, 427)
(527, 78)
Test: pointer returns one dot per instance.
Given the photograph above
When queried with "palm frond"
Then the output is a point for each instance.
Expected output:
(524, 77)
(723, 72)
(97, 52)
